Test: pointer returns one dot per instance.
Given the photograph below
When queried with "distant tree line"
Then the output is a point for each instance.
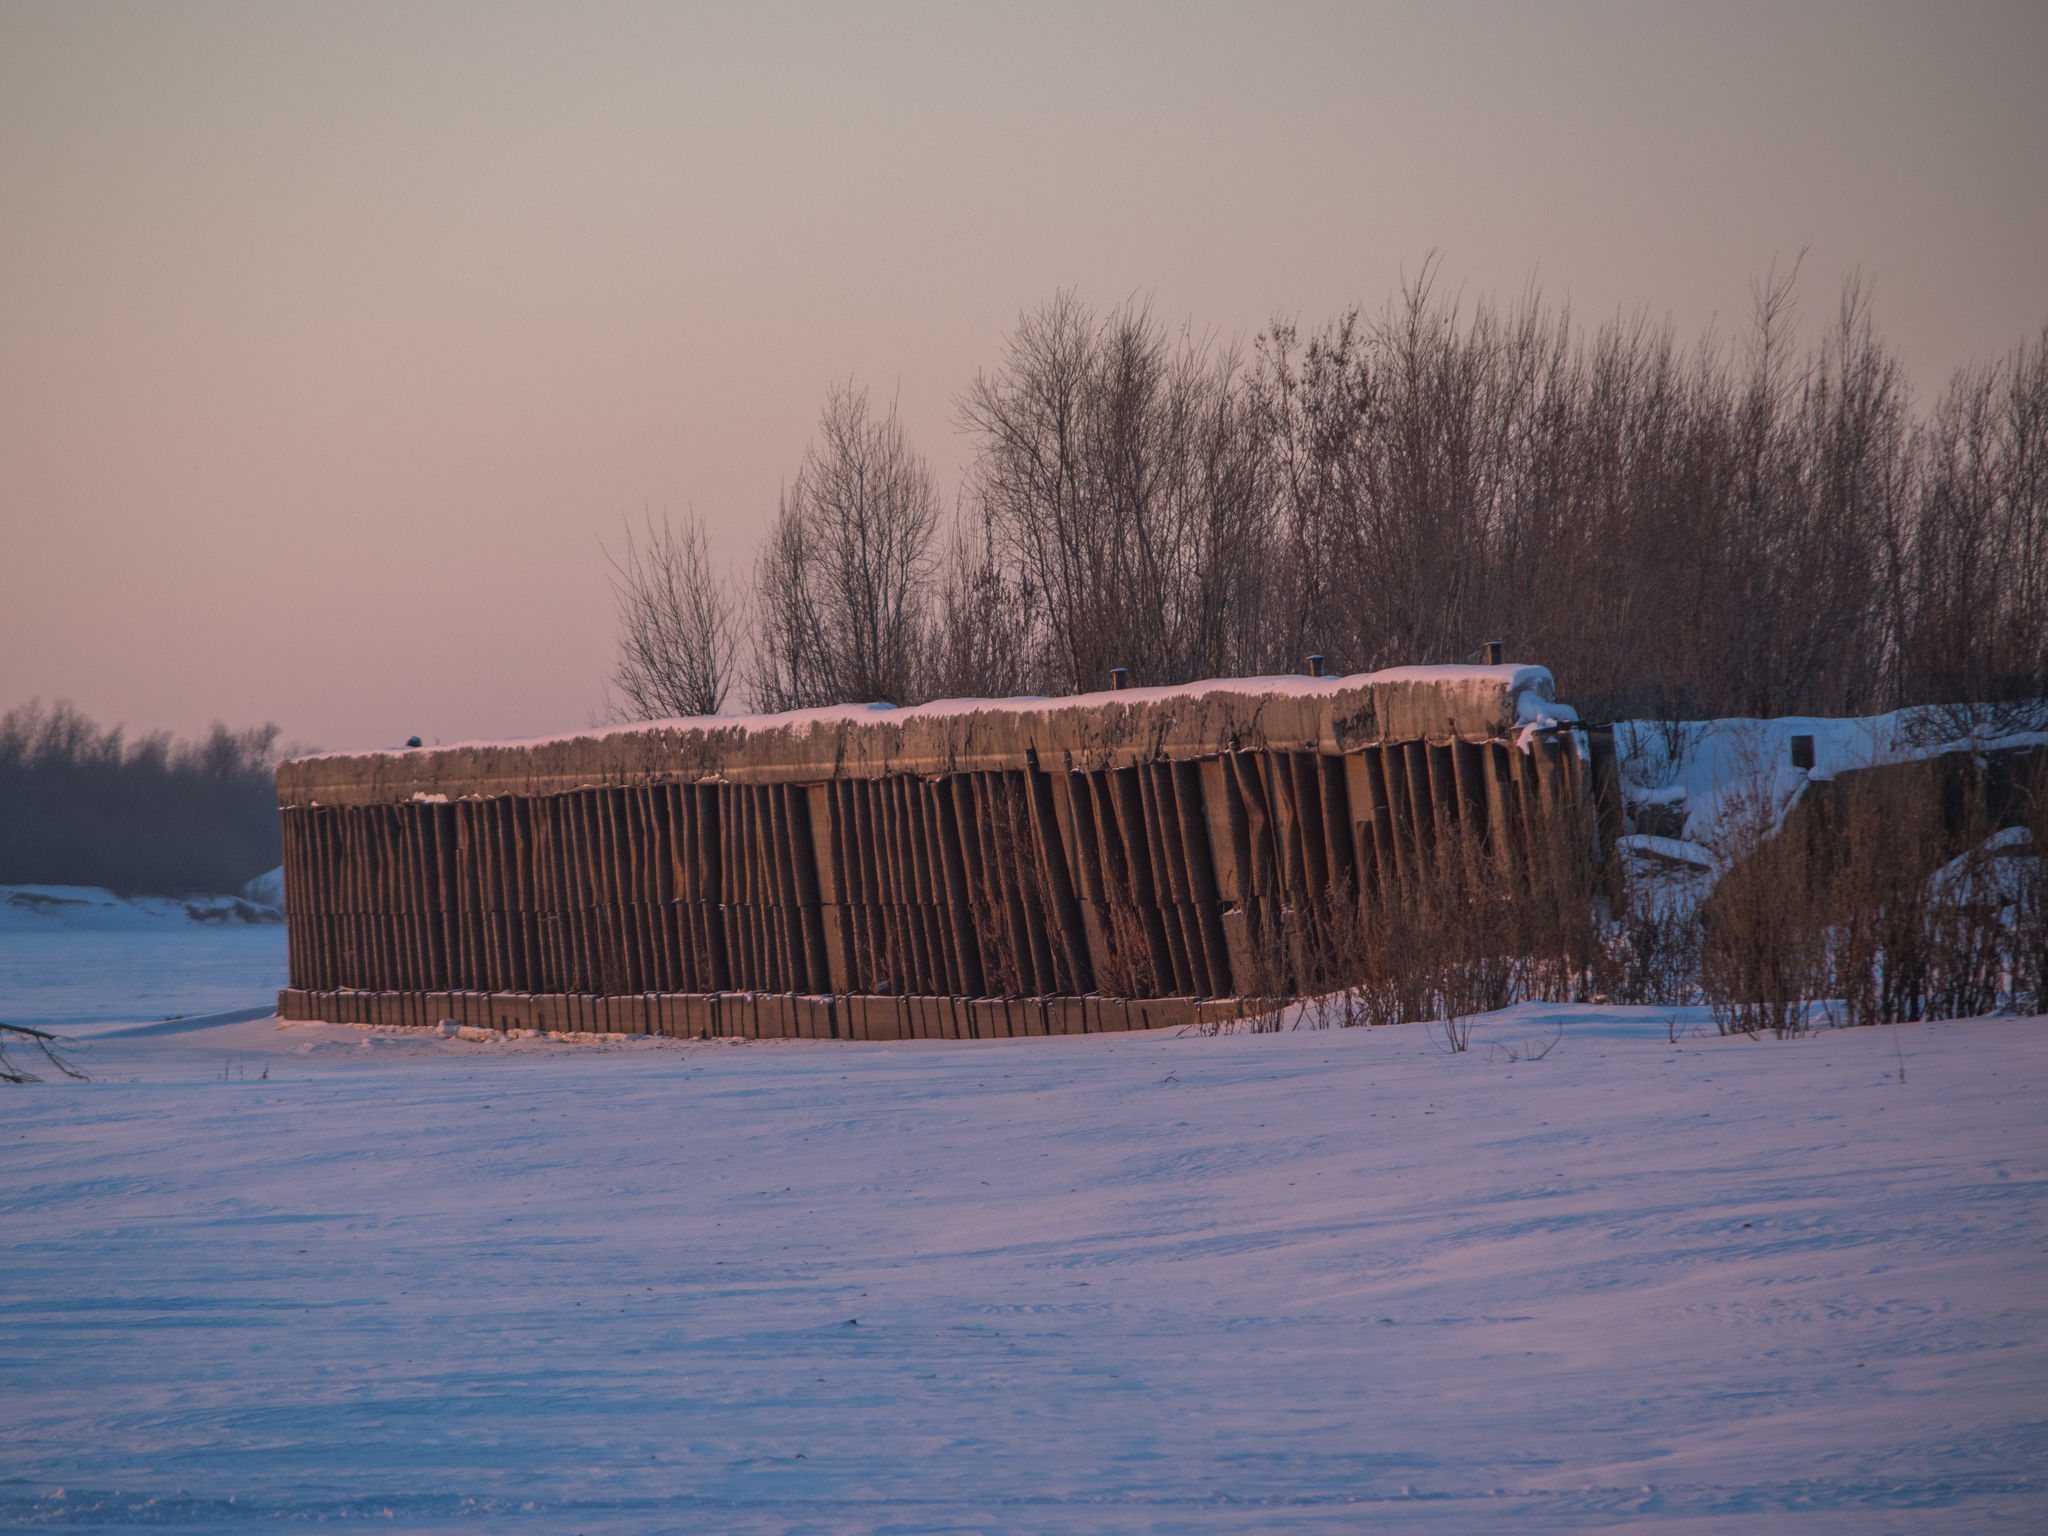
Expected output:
(1722, 527)
(83, 806)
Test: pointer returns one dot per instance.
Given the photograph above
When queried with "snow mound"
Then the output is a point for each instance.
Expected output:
(1687, 782)
(31, 909)
(266, 890)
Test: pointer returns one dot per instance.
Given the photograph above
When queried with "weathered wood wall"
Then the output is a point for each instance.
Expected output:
(1120, 872)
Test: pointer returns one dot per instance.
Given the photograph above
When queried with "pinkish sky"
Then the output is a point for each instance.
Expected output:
(333, 338)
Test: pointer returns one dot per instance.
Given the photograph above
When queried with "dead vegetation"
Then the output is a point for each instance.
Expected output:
(1893, 894)
(1910, 892)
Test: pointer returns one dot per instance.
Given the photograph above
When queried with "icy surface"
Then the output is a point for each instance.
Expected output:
(73, 954)
(1307, 1281)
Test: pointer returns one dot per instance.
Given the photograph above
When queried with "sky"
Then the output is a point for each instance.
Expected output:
(338, 342)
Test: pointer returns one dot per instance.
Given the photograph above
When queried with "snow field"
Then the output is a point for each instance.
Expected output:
(73, 955)
(1306, 1281)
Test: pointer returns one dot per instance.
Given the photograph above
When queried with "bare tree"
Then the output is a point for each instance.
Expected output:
(82, 806)
(986, 624)
(679, 628)
(1122, 478)
(1971, 582)
(1681, 532)
(844, 583)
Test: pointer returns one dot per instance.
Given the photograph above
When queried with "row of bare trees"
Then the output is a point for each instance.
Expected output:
(1677, 530)
(84, 806)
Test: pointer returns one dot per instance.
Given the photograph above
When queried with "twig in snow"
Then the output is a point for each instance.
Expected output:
(1529, 1050)
(44, 1042)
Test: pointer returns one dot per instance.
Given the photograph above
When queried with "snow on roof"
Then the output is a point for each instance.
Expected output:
(1532, 687)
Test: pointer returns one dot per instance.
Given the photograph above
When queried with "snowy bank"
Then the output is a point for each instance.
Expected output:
(33, 909)
(1306, 1281)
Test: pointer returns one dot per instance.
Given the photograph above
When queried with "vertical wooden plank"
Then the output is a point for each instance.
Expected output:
(319, 893)
(497, 892)
(597, 892)
(1191, 787)
(909, 905)
(691, 899)
(1371, 803)
(393, 896)
(415, 833)
(547, 893)
(1383, 765)
(891, 965)
(419, 818)
(1133, 825)
(1000, 907)
(294, 926)
(1058, 878)
(833, 956)
(1501, 806)
(711, 846)
(566, 826)
(1444, 806)
(783, 799)
(974, 872)
(1307, 783)
(797, 855)
(375, 821)
(970, 980)
(1020, 850)
(1469, 787)
(405, 830)
(316, 895)
(1093, 892)
(1421, 819)
(526, 970)
(439, 853)
(622, 973)
(1340, 847)
(659, 810)
(1128, 964)
(1162, 834)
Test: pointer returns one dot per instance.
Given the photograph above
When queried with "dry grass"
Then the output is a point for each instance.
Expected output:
(1881, 897)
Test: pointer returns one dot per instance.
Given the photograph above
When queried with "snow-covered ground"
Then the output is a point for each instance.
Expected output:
(1720, 779)
(1334, 1279)
(73, 954)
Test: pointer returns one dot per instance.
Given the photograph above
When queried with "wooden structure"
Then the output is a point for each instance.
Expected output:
(974, 867)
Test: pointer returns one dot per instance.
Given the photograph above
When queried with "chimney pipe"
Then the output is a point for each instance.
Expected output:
(1495, 650)
(1315, 666)
(1119, 679)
